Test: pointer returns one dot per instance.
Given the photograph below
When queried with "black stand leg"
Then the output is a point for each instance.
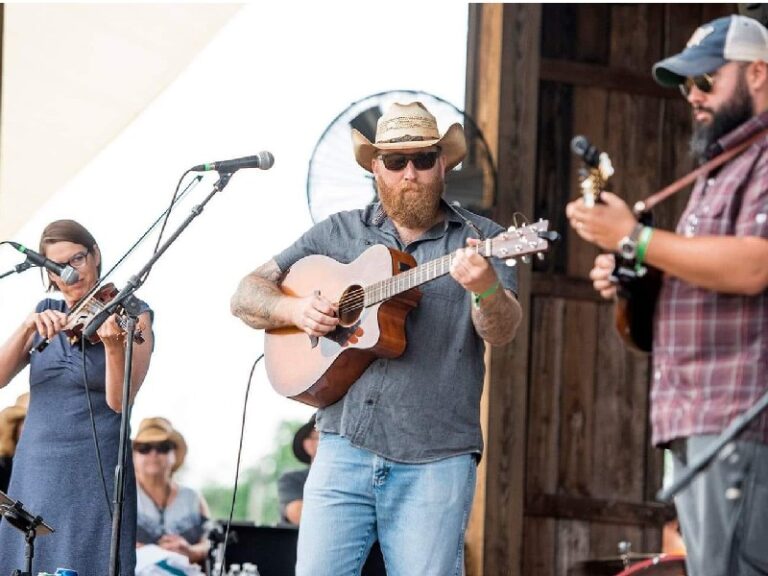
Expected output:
(118, 500)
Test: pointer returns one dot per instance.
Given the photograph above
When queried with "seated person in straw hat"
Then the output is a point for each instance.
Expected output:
(290, 486)
(11, 423)
(170, 515)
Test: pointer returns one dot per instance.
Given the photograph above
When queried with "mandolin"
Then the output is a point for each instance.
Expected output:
(637, 286)
(373, 295)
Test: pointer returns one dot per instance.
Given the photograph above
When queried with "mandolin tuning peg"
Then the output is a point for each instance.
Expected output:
(510, 262)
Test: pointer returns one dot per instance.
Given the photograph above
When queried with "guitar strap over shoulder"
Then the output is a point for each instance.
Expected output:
(646, 205)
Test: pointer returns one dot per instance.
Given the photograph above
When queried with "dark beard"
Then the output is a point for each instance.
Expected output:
(730, 116)
(410, 204)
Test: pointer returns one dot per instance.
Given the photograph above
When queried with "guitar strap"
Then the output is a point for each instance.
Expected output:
(467, 221)
(646, 205)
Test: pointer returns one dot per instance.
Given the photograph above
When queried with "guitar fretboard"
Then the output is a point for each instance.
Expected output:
(399, 283)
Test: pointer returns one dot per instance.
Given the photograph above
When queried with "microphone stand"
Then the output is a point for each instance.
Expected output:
(126, 299)
(18, 269)
(726, 438)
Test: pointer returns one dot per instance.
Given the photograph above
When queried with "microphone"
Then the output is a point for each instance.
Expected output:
(263, 160)
(66, 273)
(586, 151)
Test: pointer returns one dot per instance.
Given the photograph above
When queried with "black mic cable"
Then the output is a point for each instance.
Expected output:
(237, 467)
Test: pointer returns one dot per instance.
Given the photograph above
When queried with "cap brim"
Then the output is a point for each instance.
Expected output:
(674, 70)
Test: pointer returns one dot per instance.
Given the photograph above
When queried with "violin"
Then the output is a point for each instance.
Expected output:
(79, 318)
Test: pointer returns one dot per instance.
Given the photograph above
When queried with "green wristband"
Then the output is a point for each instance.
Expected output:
(642, 245)
(476, 298)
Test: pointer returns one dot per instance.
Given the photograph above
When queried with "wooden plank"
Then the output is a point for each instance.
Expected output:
(544, 404)
(603, 78)
(573, 544)
(621, 411)
(576, 430)
(515, 148)
(605, 539)
(568, 287)
(598, 510)
(485, 27)
(540, 547)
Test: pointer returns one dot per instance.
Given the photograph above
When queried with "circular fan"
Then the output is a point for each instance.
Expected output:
(336, 182)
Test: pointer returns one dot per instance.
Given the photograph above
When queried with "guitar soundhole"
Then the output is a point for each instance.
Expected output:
(351, 305)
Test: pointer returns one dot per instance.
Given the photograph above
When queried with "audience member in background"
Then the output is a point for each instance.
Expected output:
(11, 423)
(172, 516)
(290, 486)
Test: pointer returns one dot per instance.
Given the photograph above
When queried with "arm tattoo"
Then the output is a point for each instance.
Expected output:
(497, 318)
(257, 296)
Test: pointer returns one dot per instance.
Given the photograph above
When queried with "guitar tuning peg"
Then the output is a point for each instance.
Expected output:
(526, 259)
(539, 256)
(510, 262)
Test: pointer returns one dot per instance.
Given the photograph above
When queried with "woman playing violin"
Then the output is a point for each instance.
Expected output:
(72, 384)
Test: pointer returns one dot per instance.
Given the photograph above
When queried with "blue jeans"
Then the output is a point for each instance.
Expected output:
(352, 497)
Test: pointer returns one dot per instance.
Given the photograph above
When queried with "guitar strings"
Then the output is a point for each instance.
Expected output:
(355, 299)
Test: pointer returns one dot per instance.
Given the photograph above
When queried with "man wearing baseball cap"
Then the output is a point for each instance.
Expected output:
(710, 348)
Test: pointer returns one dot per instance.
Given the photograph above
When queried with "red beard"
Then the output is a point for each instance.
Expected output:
(410, 204)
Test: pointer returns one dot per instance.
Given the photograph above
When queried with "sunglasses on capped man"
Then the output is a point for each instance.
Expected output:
(397, 161)
(704, 82)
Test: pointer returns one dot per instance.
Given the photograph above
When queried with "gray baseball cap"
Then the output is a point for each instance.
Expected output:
(732, 38)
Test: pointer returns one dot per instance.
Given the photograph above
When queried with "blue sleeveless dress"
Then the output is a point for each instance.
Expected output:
(55, 470)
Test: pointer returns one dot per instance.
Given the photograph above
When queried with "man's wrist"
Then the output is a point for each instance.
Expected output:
(477, 298)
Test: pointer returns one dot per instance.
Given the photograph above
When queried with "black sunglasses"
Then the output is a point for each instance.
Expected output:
(421, 161)
(159, 447)
(704, 82)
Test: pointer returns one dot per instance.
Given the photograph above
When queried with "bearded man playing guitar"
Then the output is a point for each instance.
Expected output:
(397, 453)
(710, 342)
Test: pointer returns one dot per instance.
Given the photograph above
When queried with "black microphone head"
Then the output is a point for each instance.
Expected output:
(586, 151)
(579, 145)
(266, 160)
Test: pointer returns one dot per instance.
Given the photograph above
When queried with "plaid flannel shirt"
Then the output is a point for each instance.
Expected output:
(710, 353)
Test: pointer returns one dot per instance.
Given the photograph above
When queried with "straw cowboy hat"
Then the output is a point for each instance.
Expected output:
(298, 441)
(410, 126)
(159, 430)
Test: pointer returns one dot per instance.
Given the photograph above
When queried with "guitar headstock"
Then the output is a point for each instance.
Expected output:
(520, 242)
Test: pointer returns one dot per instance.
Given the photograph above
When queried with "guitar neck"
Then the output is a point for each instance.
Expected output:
(399, 283)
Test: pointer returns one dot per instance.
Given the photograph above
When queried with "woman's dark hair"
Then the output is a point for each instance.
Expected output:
(67, 231)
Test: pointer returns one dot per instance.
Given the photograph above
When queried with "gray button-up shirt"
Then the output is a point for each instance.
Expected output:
(424, 405)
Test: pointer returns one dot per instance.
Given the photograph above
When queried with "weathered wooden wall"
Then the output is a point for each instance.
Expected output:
(569, 471)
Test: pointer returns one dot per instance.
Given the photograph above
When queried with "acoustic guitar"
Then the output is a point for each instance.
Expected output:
(637, 286)
(373, 295)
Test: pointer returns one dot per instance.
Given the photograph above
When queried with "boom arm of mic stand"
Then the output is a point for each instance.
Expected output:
(136, 281)
(729, 435)
(126, 298)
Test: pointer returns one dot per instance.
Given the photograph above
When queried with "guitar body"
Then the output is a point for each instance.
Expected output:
(321, 375)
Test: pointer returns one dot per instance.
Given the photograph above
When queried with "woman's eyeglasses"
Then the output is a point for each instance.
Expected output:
(77, 261)
(421, 161)
(704, 82)
(159, 447)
